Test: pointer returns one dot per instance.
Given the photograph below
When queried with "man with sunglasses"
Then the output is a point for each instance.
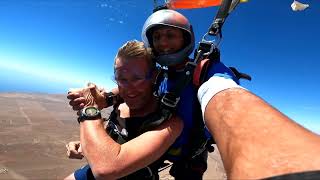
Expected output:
(133, 144)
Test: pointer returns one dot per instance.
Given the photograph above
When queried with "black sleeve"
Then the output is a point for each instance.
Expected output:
(307, 175)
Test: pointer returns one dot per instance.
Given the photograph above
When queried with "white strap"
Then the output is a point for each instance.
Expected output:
(213, 86)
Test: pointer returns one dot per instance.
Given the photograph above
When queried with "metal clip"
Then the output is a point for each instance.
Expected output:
(169, 101)
(191, 64)
(216, 40)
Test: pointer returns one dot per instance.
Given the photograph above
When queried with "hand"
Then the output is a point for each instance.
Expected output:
(77, 100)
(93, 96)
(74, 150)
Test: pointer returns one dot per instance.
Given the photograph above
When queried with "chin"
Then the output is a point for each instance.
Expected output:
(133, 104)
(135, 107)
(137, 102)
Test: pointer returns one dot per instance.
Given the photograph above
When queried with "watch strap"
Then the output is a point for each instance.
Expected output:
(110, 99)
(82, 117)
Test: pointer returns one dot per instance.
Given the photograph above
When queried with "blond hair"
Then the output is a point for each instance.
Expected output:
(135, 49)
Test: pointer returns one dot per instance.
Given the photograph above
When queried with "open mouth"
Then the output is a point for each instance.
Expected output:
(132, 96)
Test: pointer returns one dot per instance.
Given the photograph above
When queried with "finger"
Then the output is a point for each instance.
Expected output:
(73, 103)
(78, 108)
(74, 90)
(77, 101)
(81, 105)
(71, 145)
(77, 104)
(94, 90)
(73, 152)
(68, 153)
(73, 95)
(80, 149)
(102, 90)
(90, 84)
(67, 146)
(78, 156)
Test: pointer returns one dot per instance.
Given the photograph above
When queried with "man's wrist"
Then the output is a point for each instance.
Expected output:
(213, 86)
(89, 113)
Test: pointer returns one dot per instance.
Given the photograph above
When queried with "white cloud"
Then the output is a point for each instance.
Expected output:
(104, 5)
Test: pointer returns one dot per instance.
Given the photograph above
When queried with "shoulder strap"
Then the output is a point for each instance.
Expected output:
(240, 75)
(206, 48)
(170, 100)
(157, 82)
(112, 128)
(200, 71)
(153, 120)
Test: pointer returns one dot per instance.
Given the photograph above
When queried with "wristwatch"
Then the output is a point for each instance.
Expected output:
(89, 113)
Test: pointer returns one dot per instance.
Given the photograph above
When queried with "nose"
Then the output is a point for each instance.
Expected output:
(164, 41)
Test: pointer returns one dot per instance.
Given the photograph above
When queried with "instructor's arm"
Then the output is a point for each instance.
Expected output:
(255, 140)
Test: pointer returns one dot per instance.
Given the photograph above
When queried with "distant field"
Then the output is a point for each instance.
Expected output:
(34, 129)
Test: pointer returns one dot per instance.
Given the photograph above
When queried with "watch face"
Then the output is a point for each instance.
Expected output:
(91, 111)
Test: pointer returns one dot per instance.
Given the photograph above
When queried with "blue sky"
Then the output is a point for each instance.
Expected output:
(50, 46)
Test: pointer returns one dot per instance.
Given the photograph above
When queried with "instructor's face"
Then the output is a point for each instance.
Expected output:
(167, 40)
(134, 81)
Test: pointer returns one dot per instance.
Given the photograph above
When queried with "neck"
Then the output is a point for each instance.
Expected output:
(179, 66)
(150, 107)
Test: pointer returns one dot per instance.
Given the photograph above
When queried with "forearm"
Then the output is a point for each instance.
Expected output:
(109, 160)
(256, 140)
(99, 149)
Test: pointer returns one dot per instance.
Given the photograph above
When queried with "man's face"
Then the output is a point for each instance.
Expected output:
(134, 81)
(167, 40)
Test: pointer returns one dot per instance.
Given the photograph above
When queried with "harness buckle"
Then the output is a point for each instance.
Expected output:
(189, 68)
(207, 47)
(170, 100)
(215, 28)
(191, 65)
(201, 149)
(211, 39)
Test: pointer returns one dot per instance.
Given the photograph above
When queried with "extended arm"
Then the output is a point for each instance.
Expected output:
(256, 140)
(110, 160)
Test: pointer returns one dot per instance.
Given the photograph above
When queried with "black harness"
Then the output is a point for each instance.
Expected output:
(207, 50)
(205, 55)
(134, 127)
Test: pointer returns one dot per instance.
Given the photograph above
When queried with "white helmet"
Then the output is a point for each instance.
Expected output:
(167, 17)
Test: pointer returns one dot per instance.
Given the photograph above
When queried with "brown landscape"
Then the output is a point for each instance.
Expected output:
(34, 129)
